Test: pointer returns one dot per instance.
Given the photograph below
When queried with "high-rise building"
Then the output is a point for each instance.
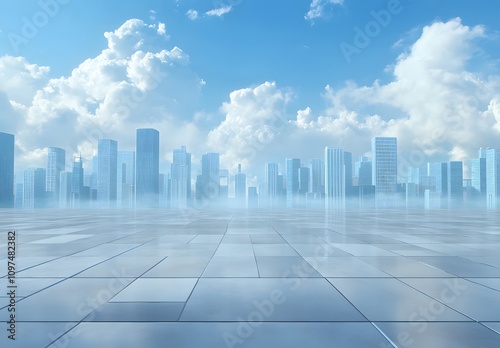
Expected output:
(334, 178)
(455, 183)
(240, 187)
(107, 172)
(304, 179)
(348, 173)
(492, 178)
(385, 169)
(478, 174)
(6, 170)
(65, 183)
(147, 169)
(272, 188)
(317, 177)
(440, 172)
(292, 182)
(56, 162)
(19, 196)
(224, 184)
(180, 193)
(209, 185)
(125, 178)
(253, 198)
(363, 171)
(77, 192)
(34, 188)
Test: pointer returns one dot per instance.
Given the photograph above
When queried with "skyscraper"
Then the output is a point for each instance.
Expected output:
(348, 167)
(34, 188)
(107, 173)
(125, 178)
(180, 192)
(385, 169)
(272, 186)
(455, 184)
(209, 185)
(240, 187)
(492, 178)
(364, 171)
(6, 170)
(56, 162)
(334, 178)
(292, 182)
(440, 172)
(478, 174)
(65, 189)
(77, 181)
(147, 167)
(317, 177)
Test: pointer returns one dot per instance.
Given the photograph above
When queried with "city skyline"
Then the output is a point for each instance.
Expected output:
(335, 180)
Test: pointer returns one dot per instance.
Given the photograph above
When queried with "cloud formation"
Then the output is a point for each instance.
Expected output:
(134, 82)
(320, 8)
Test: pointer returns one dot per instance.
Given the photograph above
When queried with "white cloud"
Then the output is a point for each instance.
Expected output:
(192, 14)
(161, 29)
(253, 118)
(437, 107)
(134, 82)
(318, 8)
(219, 11)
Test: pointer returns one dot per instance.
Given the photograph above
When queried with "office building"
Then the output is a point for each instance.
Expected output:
(34, 188)
(65, 183)
(334, 178)
(180, 191)
(385, 168)
(6, 170)
(478, 175)
(147, 169)
(56, 163)
(492, 178)
(455, 184)
(317, 177)
(292, 182)
(209, 185)
(240, 187)
(107, 172)
(125, 179)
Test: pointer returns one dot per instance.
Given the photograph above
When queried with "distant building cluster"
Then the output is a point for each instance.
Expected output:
(132, 179)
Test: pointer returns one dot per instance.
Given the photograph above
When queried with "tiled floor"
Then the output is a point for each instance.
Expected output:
(156, 278)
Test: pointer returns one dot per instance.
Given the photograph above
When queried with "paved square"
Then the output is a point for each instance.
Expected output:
(160, 278)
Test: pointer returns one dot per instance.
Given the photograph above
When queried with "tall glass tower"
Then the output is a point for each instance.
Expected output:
(492, 178)
(292, 182)
(6, 170)
(147, 168)
(180, 184)
(107, 171)
(334, 178)
(385, 169)
(56, 162)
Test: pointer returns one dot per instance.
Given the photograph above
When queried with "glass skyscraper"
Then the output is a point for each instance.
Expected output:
(385, 167)
(492, 178)
(34, 188)
(478, 174)
(209, 185)
(240, 187)
(317, 177)
(292, 182)
(455, 183)
(180, 184)
(6, 170)
(107, 172)
(56, 162)
(334, 178)
(125, 178)
(147, 169)
(77, 181)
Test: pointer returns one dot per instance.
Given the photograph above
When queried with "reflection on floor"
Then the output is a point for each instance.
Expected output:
(153, 278)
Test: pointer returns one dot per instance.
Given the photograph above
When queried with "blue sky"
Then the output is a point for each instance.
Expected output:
(275, 59)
